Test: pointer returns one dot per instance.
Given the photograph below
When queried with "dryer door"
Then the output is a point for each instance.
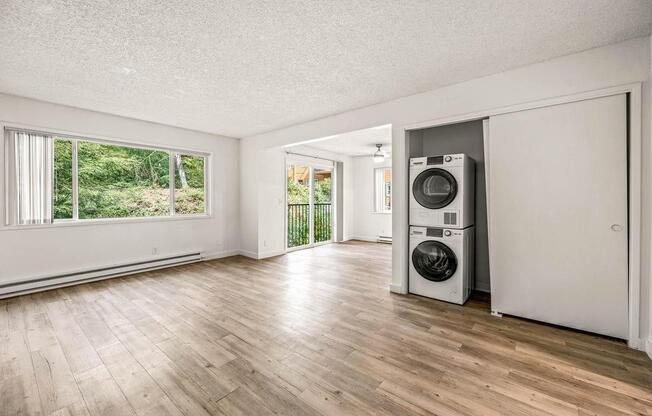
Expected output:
(434, 261)
(434, 188)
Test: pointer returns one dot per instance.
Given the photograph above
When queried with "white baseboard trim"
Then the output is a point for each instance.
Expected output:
(648, 346)
(636, 344)
(250, 254)
(397, 289)
(261, 255)
(214, 255)
(371, 239)
(271, 253)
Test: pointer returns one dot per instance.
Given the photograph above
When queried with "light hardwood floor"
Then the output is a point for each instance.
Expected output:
(313, 332)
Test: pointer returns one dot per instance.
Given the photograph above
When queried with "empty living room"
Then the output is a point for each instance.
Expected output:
(390, 207)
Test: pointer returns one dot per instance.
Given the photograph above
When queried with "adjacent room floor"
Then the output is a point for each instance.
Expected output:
(313, 332)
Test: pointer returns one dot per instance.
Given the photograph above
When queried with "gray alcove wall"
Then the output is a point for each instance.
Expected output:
(462, 138)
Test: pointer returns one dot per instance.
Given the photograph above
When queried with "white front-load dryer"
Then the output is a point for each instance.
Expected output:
(441, 263)
(442, 190)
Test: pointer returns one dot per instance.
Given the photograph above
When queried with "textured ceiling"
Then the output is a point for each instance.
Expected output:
(239, 67)
(356, 143)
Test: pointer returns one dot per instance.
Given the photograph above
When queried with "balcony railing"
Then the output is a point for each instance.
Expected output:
(323, 222)
(299, 224)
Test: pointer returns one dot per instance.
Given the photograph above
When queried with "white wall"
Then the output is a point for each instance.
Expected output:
(646, 182)
(598, 68)
(368, 224)
(349, 199)
(26, 253)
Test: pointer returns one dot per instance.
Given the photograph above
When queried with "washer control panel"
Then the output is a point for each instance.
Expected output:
(434, 232)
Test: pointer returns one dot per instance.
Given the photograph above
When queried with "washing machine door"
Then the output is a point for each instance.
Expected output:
(434, 188)
(434, 261)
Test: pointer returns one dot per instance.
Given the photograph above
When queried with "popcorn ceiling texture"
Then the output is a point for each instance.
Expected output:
(240, 67)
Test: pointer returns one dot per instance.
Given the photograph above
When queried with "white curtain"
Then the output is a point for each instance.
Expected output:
(29, 159)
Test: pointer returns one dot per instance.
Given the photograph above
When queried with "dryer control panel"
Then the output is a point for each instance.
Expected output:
(439, 160)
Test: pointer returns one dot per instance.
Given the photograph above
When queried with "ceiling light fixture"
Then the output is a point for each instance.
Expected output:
(379, 156)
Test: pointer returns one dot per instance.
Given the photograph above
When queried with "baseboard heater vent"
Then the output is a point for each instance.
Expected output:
(22, 287)
(384, 239)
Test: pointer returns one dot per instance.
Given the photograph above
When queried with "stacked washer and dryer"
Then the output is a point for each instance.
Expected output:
(442, 201)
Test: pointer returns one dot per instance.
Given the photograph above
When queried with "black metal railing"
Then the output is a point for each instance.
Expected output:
(299, 224)
(323, 222)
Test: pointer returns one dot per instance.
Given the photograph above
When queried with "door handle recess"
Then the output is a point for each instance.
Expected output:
(616, 227)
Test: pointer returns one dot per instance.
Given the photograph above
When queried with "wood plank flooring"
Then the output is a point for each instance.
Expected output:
(313, 332)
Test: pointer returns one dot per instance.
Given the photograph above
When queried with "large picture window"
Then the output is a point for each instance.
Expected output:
(189, 184)
(62, 193)
(56, 179)
(122, 182)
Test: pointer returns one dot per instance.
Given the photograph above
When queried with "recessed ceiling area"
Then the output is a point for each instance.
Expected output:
(355, 143)
(241, 67)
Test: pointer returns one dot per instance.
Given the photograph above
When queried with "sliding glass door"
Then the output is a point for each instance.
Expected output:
(298, 209)
(322, 205)
(309, 205)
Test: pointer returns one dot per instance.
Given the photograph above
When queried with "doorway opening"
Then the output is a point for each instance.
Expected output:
(339, 190)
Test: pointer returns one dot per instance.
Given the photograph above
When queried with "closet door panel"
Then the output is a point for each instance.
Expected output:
(558, 214)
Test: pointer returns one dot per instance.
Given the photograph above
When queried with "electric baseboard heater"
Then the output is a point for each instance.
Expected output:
(384, 239)
(22, 287)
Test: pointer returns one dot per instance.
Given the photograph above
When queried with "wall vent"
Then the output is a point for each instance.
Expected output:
(450, 218)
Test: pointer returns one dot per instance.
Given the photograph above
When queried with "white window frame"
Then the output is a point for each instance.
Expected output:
(379, 195)
(75, 139)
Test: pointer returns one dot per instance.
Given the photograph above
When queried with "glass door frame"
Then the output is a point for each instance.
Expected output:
(312, 165)
(330, 169)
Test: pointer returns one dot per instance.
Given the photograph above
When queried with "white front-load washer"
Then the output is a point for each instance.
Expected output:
(442, 190)
(441, 263)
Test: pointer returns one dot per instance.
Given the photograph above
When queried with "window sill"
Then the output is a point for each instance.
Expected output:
(105, 221)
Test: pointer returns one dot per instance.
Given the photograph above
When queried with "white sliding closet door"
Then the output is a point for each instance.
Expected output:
(557, 198)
